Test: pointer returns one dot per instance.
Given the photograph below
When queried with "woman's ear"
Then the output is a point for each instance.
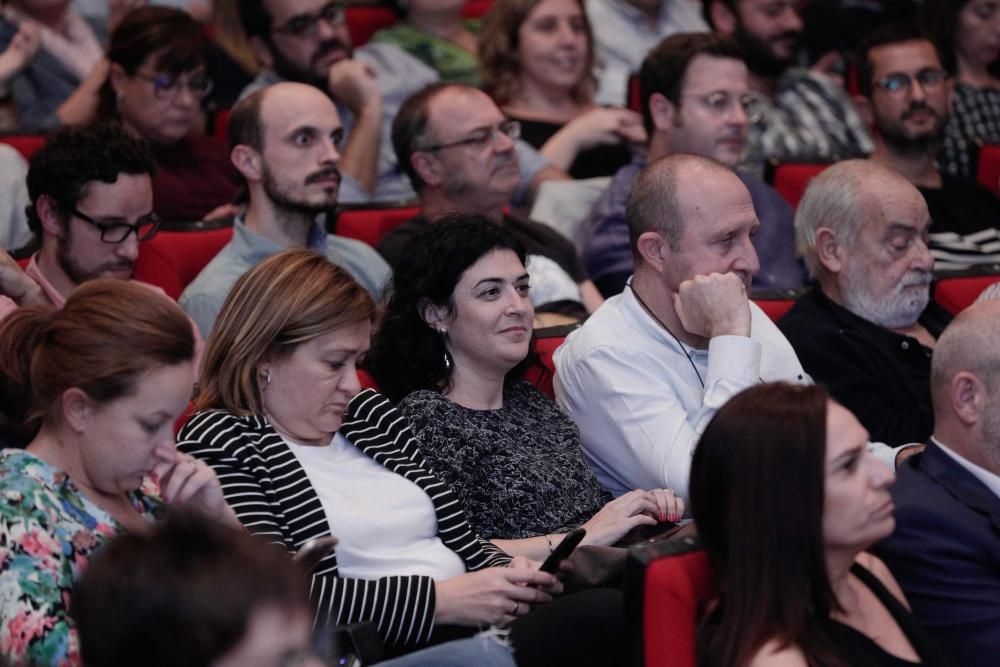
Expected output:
(117, 76)
(436, 317)
(76, 409)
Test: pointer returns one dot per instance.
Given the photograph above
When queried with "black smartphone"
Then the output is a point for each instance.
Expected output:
(563, 550)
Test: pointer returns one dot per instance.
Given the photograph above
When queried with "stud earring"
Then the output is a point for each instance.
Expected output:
(266, 375)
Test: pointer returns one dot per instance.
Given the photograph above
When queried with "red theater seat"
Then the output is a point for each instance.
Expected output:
(988, 172)
(171, 260)
(542, 376)
(667, 584)
(775, 308)
(956, 294)
(791, 179)
(220, 125)
(25, 144)
(363, 22)
(371, 224)
(475, 8)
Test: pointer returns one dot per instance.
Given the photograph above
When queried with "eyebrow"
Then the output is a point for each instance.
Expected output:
(491, 281)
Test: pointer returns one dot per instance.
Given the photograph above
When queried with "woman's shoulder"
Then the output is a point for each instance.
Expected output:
(880, 571)
(215, 425)
(775, 654)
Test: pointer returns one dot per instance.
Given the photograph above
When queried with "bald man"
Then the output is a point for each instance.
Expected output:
(862, 230)
(945, 551)
(285, 142)
(647, 371)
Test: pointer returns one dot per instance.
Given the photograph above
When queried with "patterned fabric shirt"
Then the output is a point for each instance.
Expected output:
(519, 471)
(974, 120)
(48, 532)
(452, 63)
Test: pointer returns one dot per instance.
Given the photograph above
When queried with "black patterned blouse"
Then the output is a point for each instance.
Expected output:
(519, 470)
(974, 120)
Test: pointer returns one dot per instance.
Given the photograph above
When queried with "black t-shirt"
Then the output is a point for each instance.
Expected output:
(965, 224)
(603, 160)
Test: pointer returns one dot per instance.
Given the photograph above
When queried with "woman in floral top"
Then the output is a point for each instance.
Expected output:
(102, 456)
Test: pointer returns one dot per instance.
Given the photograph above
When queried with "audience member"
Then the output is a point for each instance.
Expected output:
(91, 203)
(862, 331)
(58, 80)
(537, 60)
(458, 150)
(796, 585)
(809, 117)
(945, 550)
(626, 30)
(102, 458)
(305, 460)
(967, 34)
(155, 86)
(307, 41)
(695, 100)
(907, 95)
(14, 231)
(437, 35)
(231, 62)
(286, 142)
(451, 349)
(646, 372)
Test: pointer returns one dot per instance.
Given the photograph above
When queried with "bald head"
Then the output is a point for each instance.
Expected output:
(249, 117)
(666, 190)
(971, 343)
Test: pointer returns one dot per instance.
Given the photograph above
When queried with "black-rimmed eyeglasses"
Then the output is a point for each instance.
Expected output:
(117, 232)
(305, 25)
(897, 83)
(481, 138)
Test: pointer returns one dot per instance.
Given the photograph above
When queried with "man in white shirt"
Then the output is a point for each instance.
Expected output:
(646, 373)
(945, 551)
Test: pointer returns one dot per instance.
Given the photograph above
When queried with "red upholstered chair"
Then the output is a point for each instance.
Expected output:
(220, 125)
(775, 308)
(791, 179)
(475, 8)
(365, 21)
(171, 260)
(988, 172)
(367, 381)
(25, 144)
(956, 294)
(666, 586)
(371, 224)
(546, 342)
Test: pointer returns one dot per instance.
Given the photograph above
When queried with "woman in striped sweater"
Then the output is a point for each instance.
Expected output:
(298, 459)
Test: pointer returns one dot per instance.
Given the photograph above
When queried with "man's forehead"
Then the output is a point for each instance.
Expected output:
(282, 10)
(283, 110)
(909, 56)
(896, 207)
(706, 74)
(120, 198)
(461, 110)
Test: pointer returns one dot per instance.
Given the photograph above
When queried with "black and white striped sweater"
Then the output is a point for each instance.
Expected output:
(272, 496)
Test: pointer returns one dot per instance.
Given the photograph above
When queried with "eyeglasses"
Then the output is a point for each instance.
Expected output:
(720, 103)
(306, 25)
(482, 138)
(167, 87)
(900, 82)
(116, 232)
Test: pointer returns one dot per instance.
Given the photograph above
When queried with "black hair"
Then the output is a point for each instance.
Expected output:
(896, 33)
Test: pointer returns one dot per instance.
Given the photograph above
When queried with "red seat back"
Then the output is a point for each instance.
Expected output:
(365, 21)
(988, 172)
(220, 125)
(775, 308)
(791, 180)
(956, 294)
(25, 144)
(475, 8)
(542, 376)
(171, 260)
(371, 224)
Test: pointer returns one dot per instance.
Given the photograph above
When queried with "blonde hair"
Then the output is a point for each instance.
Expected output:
(286, 300)
(499, 52)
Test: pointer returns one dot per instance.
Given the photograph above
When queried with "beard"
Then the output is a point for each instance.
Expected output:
(293, 72)
(911, 145)
(991, 428)
(895, 310)
(286, 200)
(757, 53)
(77, 273)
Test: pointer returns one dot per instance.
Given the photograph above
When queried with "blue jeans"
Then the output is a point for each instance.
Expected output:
(481, 651)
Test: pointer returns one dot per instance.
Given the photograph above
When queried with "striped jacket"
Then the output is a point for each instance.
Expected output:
(271, 494)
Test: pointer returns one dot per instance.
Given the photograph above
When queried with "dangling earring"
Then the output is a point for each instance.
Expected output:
(447, 358)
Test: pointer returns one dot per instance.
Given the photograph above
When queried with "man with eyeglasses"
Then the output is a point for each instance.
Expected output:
(906, 94)
(307, 41)
(696, 100)
(458, 151)
(807, 115)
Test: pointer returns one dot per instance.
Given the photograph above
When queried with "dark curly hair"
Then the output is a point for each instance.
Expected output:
(73, 157)
(406, 353)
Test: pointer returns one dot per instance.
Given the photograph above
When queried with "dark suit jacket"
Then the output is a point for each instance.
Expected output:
(945, 553)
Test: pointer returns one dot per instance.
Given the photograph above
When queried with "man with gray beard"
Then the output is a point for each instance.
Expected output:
(865, 330)
(945, 551)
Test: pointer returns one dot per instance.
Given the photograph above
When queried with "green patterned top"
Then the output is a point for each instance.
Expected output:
(452, 63)
(48, 532)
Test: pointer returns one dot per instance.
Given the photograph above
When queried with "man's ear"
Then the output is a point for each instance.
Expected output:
(723, 18)
(865, 111)
(968, 397)
(662, 111)
(248, 162)
(436, 317)
(428, 167)
(50, 216)
(262, 52)
(829, 250)
(653, 249)
(76, 409)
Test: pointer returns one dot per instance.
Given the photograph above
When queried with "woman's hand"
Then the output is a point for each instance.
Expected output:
(601, 125)
(635, 508)
(495, 595)
(21, 50)
(189, 482)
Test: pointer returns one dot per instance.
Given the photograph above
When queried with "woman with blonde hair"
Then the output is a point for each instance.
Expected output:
(537, 61)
